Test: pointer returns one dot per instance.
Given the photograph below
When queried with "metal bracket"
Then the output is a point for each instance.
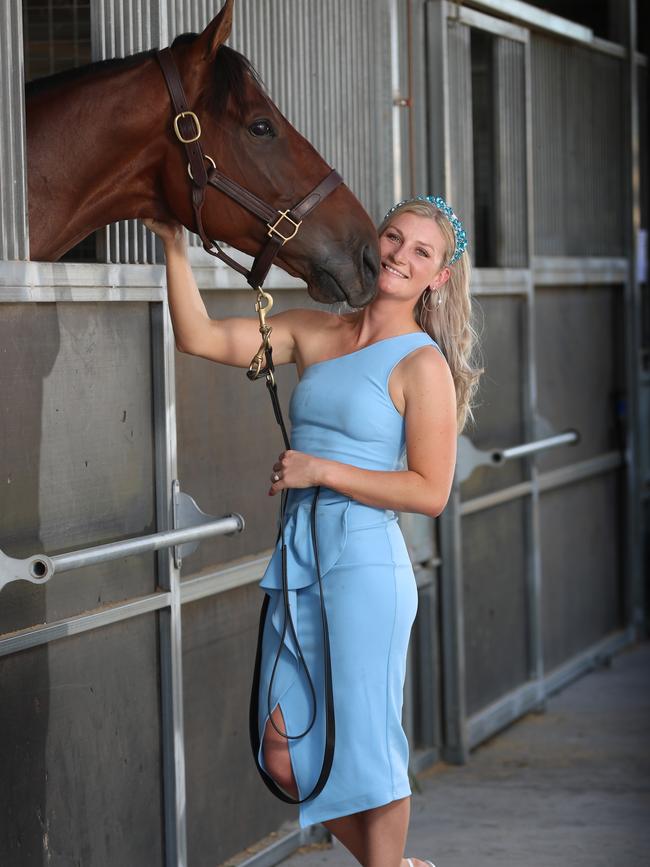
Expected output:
(187, 514)
(190, 526)
(469, 457)
(38, 569)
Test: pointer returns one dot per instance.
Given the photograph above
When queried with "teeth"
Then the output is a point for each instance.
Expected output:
(393, 271)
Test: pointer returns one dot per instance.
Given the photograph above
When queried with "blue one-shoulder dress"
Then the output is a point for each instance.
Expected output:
(341, 409)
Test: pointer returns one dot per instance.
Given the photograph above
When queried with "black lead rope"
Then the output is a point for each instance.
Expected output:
(288, 620)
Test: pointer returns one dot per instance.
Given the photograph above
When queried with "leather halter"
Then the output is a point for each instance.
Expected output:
(282, 225)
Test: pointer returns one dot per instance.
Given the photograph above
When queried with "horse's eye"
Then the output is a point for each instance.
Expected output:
(261, 128)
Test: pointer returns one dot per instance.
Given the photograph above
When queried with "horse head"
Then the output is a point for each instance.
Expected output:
(251, 142)
(101, 148)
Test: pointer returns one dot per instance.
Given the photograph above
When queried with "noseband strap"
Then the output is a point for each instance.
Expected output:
(282, 225)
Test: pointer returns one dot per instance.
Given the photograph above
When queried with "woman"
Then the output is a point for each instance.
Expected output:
(375, 388)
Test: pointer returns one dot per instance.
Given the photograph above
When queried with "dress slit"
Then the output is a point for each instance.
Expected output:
(260, 754)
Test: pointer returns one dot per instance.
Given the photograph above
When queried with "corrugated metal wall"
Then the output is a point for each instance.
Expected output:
(461, 139)
(578, 130)
(13, 183)
(511, 204)
(119, 29)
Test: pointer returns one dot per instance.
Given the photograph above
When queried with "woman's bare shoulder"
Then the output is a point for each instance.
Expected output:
(311, 317)
(318, 334)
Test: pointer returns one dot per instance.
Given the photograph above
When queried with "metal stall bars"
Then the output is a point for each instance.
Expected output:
(460, 39)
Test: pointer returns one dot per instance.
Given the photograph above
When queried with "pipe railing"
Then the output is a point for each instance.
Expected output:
(469, 457)
(194, 526)
(570, 436)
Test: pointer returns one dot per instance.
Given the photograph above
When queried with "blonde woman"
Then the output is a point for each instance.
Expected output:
(383, 393)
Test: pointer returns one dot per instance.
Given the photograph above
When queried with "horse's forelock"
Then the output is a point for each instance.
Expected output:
(230, 72)
(229, 76)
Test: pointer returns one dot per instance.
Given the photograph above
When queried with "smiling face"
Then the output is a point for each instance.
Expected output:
(412, 250)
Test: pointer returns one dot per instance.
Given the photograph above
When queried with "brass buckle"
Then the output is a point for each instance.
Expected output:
(274, 228)
(179, 134)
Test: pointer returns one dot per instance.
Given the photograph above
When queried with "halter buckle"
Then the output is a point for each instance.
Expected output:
(273, 229)
(179, 134)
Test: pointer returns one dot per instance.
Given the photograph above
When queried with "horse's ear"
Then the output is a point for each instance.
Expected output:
(216, 33)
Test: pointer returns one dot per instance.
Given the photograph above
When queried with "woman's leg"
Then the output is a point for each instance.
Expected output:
(348, 829)
(351, 833)
(385, 829)
(356, 830)
(276, 754)
(375, 837)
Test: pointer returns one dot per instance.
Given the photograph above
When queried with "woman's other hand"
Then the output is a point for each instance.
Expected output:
(295, 470)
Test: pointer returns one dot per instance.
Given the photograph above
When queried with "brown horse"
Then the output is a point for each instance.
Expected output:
(101, 148)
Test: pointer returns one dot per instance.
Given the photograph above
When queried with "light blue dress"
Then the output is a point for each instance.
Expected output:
(341, 409)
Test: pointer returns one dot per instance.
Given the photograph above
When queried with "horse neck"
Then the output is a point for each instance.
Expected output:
(93, 147)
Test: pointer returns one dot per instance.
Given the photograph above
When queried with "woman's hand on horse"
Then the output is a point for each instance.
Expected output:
(295, 470)
(169, 232)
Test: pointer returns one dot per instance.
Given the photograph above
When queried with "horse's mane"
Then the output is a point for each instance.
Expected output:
(230, 71)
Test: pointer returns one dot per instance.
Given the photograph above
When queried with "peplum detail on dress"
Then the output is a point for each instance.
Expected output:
(331, 535)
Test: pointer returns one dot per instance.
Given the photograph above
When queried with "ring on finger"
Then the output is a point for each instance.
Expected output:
(276, 477)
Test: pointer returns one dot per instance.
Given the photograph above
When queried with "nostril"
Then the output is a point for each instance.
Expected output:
(370, 263)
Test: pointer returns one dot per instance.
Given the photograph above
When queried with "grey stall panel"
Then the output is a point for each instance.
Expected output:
(226, 797)
(578, 130)
(228, 438)
(582, 580)
(496, 624)
(80, 751)
(76, 450)
(580, 369)
(499, 420)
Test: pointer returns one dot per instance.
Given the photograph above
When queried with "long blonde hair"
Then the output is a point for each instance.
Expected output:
(451, 325)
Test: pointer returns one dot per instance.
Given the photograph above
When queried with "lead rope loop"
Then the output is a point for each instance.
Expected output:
(255, 371)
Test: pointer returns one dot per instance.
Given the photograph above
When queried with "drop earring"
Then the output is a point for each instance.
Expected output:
(437, 302)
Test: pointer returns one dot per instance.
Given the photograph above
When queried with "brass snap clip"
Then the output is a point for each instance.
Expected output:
(263, 310)
(255, 368)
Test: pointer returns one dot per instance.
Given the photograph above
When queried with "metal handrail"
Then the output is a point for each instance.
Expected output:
(501, 455)
(469, 457)
(194, 526)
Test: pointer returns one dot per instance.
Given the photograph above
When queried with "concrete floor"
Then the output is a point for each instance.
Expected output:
(566, 788)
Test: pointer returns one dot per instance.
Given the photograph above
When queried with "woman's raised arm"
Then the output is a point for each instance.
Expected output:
(233, 340)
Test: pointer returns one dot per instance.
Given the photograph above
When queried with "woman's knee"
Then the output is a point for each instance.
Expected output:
(277, 759)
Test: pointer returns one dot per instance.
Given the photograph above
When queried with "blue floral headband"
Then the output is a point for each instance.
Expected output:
(459, 232)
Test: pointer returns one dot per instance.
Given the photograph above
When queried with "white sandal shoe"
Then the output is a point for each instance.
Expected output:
(426, 862)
